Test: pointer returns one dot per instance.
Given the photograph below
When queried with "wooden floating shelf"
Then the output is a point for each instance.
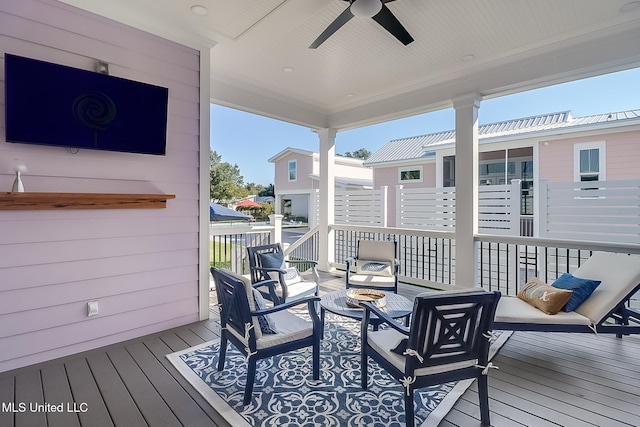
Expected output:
(43, 201)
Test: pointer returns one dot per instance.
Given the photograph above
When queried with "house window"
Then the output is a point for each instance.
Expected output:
(449, 171)
(413, 174)
(589, 162)
(293, 170)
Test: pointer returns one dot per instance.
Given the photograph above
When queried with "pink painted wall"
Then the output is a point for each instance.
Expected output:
(622, 155)
(389, 176)
(305, 168)
(140, 265)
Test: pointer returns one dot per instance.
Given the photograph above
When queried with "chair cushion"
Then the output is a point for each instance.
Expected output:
(266, 322)
(300, 289)
(544, 297)
(376, 250)
(290, 328)
(291, 276)
(374, 268)
(385, 340)
(582, 289)
(368, 280)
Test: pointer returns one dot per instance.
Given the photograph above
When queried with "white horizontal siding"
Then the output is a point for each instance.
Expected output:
(141, 265)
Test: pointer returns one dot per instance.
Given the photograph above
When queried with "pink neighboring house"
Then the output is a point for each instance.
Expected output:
(556, 147)
(297, 178)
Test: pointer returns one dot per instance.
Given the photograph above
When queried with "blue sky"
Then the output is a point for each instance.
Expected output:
(259, 138)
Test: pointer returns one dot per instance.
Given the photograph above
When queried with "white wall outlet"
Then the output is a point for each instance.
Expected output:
(92, 308)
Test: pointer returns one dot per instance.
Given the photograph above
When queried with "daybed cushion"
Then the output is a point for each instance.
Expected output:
(581, 288)
(544, 297)
(619, 273)
(514, 310)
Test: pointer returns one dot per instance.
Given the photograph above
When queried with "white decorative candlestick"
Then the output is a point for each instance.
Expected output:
(18, 187)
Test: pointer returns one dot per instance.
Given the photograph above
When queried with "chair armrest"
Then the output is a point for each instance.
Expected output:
(272, 288)
(369, 307)
(285, 306)
(302, 261)
(278, 270)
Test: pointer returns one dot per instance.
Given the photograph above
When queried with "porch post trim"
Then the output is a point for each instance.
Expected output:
(327, 142)
(466, 174)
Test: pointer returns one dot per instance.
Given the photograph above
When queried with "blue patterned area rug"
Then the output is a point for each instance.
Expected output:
(285, 394)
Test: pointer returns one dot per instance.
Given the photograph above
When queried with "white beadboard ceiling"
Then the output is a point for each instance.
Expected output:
(362, 74)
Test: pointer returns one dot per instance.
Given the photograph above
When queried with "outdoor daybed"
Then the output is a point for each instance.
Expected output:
(604, 311)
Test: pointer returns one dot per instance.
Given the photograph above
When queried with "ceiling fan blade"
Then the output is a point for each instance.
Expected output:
(390, 23)
(342, 19)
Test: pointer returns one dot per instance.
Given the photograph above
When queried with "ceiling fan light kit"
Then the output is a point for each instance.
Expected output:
(366, 8)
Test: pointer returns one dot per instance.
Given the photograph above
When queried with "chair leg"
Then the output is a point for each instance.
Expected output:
(223, 352)
(251, 377)
(408, 409)
(483, 396)
(364, 369)
(316, 358)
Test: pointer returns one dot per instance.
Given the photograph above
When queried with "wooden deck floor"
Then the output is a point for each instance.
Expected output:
(545, 379)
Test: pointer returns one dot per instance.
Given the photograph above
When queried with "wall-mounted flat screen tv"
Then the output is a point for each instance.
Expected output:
(51, 104)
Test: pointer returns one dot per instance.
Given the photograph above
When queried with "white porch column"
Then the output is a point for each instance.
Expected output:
(327, 139)
(466, 188)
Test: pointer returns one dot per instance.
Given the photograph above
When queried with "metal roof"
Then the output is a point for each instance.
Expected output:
(416, 147)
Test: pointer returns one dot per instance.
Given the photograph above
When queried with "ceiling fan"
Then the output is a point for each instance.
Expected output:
(375, 9)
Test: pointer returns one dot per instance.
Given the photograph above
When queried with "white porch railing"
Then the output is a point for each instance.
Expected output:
(428, 258)
(228, 244)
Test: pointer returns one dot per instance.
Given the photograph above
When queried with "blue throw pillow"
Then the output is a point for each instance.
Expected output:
(267, 325)
(272, 260)
(582, 289)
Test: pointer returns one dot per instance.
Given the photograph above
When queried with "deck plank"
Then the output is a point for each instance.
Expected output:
(84, 387)
(182, 405)
(611, 393)
(57, 391)
(160, 350)
(28, 391)
(7, 397)
(122, 408)
(190, 337)
(152, 406)
(174, 342)
(204, 333)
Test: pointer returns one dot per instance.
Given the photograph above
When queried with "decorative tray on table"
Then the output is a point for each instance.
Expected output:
(357, 296)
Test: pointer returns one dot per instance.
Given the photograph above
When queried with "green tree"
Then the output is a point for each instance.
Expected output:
(268, 191)
(253, 188)
(361, 153)
(225, 183)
